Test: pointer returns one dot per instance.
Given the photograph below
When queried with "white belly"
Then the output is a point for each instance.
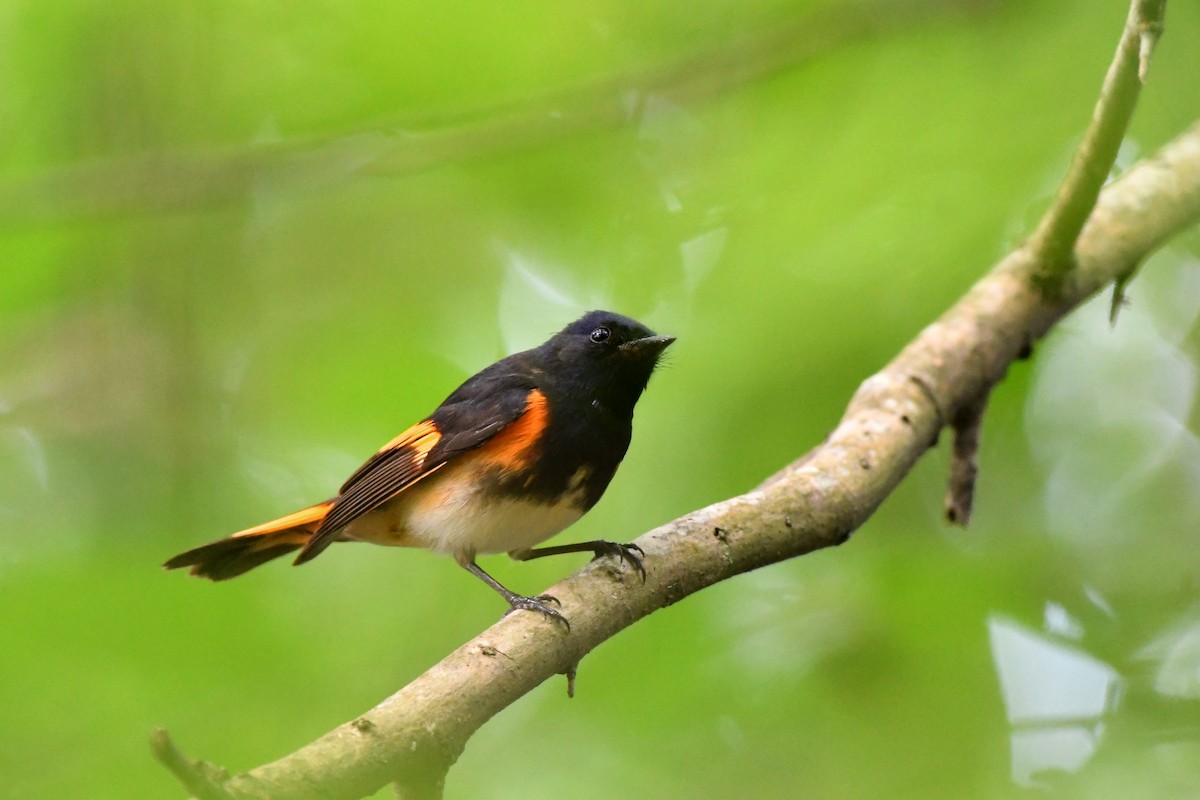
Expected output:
(454, 513)
(454, 516)
(498, 527)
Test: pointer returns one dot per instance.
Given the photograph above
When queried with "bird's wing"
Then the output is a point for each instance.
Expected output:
(473, 415)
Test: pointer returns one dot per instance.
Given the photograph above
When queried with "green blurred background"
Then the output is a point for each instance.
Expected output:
(243, 244)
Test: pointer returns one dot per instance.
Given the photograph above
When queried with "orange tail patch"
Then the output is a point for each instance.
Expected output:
(245, 550)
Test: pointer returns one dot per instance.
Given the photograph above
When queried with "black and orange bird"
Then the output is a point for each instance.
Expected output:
(513, 456)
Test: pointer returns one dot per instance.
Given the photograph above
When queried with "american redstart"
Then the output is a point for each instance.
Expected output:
(513, 456)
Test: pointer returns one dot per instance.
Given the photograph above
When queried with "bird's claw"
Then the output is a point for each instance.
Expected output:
(539, 604)
(630, 553)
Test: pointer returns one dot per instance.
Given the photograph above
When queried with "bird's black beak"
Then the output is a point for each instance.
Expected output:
(647, 346)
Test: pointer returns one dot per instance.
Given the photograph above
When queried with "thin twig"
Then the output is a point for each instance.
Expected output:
(964, 460)
(201, 779)
(1054, 241)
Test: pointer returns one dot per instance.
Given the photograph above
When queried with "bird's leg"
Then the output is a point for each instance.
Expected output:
(515, 600)
(631, 554)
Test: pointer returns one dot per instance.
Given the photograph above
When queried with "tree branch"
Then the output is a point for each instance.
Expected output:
(1053, 244)
(414, 736)
(942, 377)
(1054, 240)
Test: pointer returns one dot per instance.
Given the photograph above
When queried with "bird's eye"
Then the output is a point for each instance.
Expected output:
(601, 334)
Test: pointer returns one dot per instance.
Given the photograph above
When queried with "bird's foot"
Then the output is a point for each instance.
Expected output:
(631, 554)
(539, 604)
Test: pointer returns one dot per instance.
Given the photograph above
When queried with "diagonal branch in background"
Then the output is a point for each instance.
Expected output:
(414, 736)
(156, 182)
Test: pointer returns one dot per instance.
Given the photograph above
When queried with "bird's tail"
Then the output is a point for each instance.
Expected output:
(245, 550)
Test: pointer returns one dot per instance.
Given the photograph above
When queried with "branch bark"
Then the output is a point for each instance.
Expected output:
(415, 735)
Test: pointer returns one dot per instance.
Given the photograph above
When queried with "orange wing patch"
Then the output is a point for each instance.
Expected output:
(419, 439)
(422, 437)
(398, 465)
(516, 445)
